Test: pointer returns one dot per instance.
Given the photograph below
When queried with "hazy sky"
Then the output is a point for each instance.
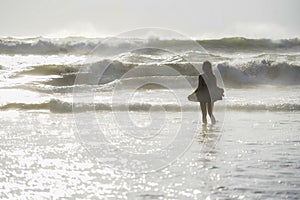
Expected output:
(194, 18)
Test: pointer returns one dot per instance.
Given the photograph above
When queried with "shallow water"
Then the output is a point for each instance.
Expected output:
(145, 140)
(251, 156)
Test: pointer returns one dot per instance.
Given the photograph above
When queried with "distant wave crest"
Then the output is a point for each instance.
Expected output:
(59, 106)
(80, 45)
(253, 73)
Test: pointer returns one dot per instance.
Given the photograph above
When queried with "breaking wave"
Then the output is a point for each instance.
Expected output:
(264, 107)
(250, 73)
(49, 70)
(58, 106)
(255, 73)
(81, 45)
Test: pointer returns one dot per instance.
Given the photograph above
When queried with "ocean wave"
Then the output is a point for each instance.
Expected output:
(245, 74)
(59, 106)
(264, 72)
(50, 70)
(26, 106)
(263, 107)
(107, 71)
(240, 43)
(81, 45)
(42, 46)
(249, 73)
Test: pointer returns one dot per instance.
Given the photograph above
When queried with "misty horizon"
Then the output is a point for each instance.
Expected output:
(195, 19)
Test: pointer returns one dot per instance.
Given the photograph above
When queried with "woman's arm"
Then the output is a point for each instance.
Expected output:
(200, 83)
(214, 81)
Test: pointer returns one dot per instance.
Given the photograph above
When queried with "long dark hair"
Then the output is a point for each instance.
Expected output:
(207, 67)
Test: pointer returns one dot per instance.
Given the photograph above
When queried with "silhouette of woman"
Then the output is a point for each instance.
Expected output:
(208, 92)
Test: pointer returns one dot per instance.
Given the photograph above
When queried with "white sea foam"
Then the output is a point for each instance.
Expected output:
(59, 106)
(80, 45)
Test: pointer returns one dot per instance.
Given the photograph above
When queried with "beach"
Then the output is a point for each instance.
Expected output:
(254, 155)
(131, 133)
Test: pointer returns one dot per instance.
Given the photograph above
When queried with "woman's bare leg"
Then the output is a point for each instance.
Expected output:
(210, 107)
(204, 112)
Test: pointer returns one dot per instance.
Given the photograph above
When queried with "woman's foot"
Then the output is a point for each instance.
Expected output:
(204, 121)
(213, 120)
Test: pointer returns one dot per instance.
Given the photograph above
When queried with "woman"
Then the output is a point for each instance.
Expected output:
(208, 92)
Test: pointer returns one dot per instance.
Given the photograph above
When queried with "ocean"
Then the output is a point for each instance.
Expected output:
(108, 118)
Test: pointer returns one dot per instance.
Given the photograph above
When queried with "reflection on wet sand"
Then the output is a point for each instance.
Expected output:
(208, 138)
